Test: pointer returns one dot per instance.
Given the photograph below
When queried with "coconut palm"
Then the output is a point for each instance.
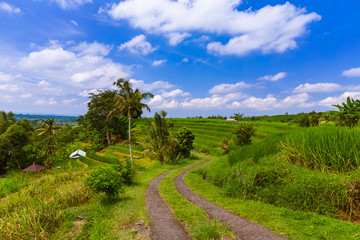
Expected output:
(49, 129)
(128, 103)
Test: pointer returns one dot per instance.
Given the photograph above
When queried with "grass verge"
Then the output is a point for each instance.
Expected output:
(292, 224)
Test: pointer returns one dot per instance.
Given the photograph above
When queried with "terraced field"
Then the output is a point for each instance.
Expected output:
(209, 133)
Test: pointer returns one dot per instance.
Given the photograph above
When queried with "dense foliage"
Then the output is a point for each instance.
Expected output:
(185, 140)
(349, 112)
(243, 133)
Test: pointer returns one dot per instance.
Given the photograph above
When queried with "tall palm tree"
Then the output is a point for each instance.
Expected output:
(49, 129)
(128, 103)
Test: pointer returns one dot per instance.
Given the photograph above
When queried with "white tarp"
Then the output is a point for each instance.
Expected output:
(77, 154)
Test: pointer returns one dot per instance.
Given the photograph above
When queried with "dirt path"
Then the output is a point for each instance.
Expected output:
(163, 226)
(243, 228)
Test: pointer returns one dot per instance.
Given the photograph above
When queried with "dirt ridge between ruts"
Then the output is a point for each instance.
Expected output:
(163, 226)
(243, 228)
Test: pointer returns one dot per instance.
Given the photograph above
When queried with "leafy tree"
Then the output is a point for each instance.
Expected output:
(98, 128)
(107, 180)
(349, 112)
(128, 103)
(159, 140)
(6, 120)
(185, 140)
(244, 132)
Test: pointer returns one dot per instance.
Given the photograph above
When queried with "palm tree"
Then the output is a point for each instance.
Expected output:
(49, 129)
(128, 103)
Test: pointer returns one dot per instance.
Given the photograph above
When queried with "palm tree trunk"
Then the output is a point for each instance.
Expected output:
(131, 156)
(107, 134)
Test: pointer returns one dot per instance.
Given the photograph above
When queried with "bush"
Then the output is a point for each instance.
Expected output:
(126, 170)
(185, 138)
(244, 132)
(106, 179)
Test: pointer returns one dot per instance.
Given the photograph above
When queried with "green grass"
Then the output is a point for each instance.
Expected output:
(292, 224)
(324, 148)
(195, 220)
(116, 219)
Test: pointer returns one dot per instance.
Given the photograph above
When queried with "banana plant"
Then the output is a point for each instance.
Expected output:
(349, 112)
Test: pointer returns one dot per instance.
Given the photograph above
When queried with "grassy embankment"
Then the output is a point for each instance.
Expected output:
(261, 175)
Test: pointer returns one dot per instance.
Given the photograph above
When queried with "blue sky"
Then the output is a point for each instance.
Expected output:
(198, 57)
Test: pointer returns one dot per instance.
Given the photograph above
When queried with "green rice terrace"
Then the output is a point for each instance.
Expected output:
(299, 183)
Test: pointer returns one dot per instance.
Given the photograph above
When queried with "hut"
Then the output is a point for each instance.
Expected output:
(78, 153)
(34, 168)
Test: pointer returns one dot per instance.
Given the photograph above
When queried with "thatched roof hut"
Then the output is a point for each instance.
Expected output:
(34, 168)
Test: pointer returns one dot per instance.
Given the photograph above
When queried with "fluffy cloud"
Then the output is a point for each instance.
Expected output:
(68, 101)
(147, 87)
(329, 101)
(65, 4)
(229, 88)
(353, 72)
(273, 78)
(175, 93)
(84, 65)
(43, 101)
(323, 87)
(8, 77)
(5, 7)
(157, 63)
(271, 102)
(138, 45)
(9, 87)
(269, 29)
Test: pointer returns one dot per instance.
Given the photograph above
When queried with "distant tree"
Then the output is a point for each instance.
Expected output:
(129, 102)
(238, 116)
(185, 140)
(243, 133)
(349, 112)
(6, 120)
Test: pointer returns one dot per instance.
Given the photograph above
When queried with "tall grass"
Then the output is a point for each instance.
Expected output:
(35, 211)
(325, 148)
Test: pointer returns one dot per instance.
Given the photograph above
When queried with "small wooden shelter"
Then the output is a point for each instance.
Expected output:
(78, 153)
(34, 168)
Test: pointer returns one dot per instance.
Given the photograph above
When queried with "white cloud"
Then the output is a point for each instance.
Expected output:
(147, 87)
(43, 83)
(68, 101)
(271, 102)
(8, 77)
(269, 29)
(229, 88)
(6, 98)
(329, 101)
(185, 60)
(26, 95)
(353, 72)
(175, 93)
(65, 4)
(43, 101)
(92, 49)
(9, 87)
(175, 38)
(78, 66)
(86, 93)
(273, 78)
(157, 63)
(74, 22)
(5, 7)
(324, 87)
(138, 45)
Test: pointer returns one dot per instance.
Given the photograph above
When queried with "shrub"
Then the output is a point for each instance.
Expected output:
(185, 138)
(126, 170)
(244, 132)
(106, 179)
